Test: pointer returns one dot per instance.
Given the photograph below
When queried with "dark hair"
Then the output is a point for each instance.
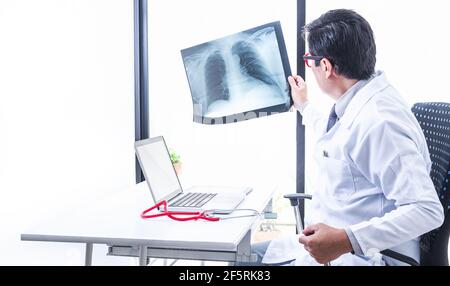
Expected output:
(346, 39)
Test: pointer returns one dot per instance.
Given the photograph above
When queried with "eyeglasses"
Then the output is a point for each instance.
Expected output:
(311, 59)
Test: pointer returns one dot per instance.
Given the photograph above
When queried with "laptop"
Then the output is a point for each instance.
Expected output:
(163, 182)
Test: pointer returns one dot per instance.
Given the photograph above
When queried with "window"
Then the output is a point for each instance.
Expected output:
(258, 152)
(66, 116)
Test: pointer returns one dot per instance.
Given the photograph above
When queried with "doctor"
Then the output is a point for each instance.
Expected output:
(374, 191)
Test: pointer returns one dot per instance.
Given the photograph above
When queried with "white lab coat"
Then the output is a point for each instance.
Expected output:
(374, 179)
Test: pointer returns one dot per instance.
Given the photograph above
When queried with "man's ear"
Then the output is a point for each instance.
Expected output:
(327, 67)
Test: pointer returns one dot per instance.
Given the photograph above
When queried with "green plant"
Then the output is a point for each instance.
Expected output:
(174, 157)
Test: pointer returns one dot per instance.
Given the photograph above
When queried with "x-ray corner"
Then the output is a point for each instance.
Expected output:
(239, 77)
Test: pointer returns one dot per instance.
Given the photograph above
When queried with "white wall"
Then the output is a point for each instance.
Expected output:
(66, 117)
(412, 43)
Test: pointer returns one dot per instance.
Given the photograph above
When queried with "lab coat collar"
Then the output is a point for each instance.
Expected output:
(375, 85)
(347, 97)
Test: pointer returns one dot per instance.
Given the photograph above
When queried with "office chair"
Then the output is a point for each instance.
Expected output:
(434, 118)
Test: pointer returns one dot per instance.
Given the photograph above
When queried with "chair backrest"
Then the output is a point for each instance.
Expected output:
(434, 118)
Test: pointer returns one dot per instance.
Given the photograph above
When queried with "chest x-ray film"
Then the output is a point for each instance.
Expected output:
(239, 77)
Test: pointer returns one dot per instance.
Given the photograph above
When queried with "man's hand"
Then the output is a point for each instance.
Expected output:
(298, 90)
(324, 242)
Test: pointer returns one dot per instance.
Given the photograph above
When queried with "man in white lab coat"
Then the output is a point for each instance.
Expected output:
(374, 190)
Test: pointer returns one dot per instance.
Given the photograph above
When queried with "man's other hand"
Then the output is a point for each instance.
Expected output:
(325, 243)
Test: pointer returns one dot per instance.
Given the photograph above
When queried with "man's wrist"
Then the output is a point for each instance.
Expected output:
(345, 242)
(354, 242)
(301, 106)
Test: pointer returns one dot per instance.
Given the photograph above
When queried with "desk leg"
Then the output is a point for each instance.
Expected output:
(88, 255)
(142, 255)
(244, 250)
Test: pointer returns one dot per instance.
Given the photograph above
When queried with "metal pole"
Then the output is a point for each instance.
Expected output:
(142, 255)
(300, 128)
(141, 107)
(88, 254)
(298, 220)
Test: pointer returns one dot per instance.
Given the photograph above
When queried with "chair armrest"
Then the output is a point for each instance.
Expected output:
(400, 257)
(294, 198)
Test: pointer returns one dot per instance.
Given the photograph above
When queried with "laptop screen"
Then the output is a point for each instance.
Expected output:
(158, 170)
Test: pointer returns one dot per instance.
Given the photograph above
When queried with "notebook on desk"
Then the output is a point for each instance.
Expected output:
(163, 182)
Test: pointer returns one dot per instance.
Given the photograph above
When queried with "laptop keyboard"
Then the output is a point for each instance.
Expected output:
(195, 200)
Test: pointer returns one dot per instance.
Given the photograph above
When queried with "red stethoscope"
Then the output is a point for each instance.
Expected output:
(185, 216)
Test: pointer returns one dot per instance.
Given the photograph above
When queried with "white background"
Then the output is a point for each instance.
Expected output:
(66, 117)
(66, 101)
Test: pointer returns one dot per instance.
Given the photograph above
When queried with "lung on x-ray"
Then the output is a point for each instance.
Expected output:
(239, 77)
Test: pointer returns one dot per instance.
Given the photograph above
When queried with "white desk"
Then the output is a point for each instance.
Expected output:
(116, 222)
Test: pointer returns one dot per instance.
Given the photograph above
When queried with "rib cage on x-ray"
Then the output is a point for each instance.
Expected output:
(250, 62)
(238, 73)
(215, 79)
(250, 65)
